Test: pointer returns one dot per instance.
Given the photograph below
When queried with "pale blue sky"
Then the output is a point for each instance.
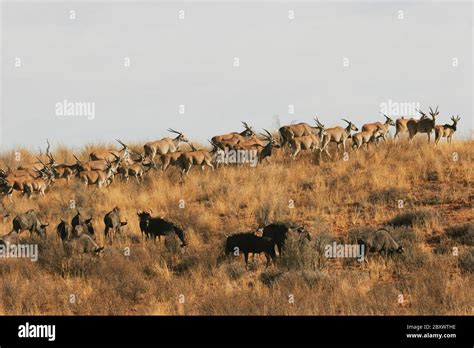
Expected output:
(190, 61)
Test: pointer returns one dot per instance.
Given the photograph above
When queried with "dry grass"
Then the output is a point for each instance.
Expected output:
(336, 199)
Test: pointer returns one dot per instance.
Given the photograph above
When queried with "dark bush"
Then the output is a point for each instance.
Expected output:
(463, 233)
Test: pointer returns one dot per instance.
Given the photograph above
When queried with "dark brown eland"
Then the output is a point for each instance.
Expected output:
(401, 124)
(424, 125)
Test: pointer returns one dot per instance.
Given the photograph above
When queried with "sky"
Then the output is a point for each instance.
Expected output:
(202, 67)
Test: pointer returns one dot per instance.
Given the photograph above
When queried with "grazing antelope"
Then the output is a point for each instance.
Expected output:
(38, 185)
(110, 155)
(135, 170)
(164, 145)
(29, 221)
(364, 137)
(383, 128)
(98, 177)
(424, 125)
(196, 157)
(80, 245)
(337, 135)
(447, 130)
(229, 140)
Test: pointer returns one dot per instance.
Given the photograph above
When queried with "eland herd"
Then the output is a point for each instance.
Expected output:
(103, 166)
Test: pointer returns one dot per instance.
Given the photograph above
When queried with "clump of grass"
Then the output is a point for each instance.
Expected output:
(309, 277)
(299, 253)
(388, 196)
(462, 233)
(443, 246)
(187, 264)
(466, 261)
(235, 270)
(271, 276)
(414, 218)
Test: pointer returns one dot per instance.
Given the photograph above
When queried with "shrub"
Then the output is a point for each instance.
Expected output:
(269, 277)
(466, 261)
(463, 233)
(413, 218)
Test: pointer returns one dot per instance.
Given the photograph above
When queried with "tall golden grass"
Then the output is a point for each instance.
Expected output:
(335, 198)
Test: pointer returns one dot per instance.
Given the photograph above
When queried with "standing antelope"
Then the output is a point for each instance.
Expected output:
(98, 177)
(401, 124)
(383, 128)
(164, 145)
(364, 137)
(63, 170)
(447, 130)
(229, 140)
(423, 125)
(266, 151)
(297, 130)
(38, 185)
(337, 135)
(110, 155)
(135, 170)
(263, 149)
(304, 142)
(196, 157)
(17, 179)
(169, 159)
(95, 165)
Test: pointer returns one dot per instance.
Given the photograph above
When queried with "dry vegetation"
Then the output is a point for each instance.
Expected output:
(336, 199)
